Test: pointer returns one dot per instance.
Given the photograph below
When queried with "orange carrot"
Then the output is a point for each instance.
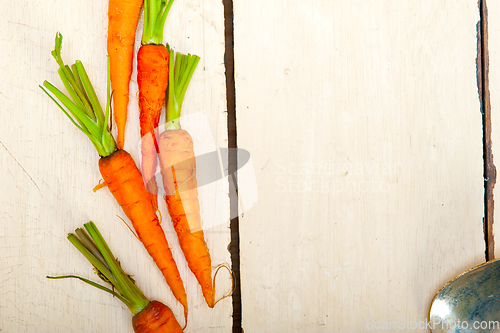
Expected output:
(123, 16)
(178, 165)
(178, 170)
(156, 318)
(149, 316)
(124, 181)
(117, 167)
(152, 81)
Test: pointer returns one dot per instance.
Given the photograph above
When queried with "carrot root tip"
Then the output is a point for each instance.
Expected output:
(232, 281)
(101, 184)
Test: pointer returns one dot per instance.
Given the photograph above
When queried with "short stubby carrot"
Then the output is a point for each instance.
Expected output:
(156, 318)
(152, 80)
(123, 16)
(149, 316)
(178, 169)
(117, 167)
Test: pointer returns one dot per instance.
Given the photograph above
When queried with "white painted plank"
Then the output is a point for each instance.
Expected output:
(363, 122)
(50, 169)
(494, 82)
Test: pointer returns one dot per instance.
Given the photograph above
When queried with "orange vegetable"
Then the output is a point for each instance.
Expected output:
(124, 181)
(178, 165)
(152, 80)
(117, 167)
(123, 16)
(178, 170)
(156, 318)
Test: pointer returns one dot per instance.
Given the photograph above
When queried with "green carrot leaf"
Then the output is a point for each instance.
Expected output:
(155, 15)
(68, 79)
(82, 103)
(183, 70)
(94, 284)
(89, 90)
(93, 246)
(83, 129)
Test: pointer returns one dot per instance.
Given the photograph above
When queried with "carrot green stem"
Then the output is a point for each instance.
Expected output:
(183, 70)
(82, 106)
(155, 15)
(97, 252)
(90, 245)
(92, 283)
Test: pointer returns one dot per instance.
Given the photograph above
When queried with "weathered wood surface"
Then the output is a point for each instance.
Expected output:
(49, 169)
(363, 122)
(494, 92)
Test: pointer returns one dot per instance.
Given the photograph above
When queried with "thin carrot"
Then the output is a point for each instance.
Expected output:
(123, 16)
(117, 167)
(178, 169)
(149, 316)
(152, 80)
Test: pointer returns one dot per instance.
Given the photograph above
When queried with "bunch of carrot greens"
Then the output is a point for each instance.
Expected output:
(149, 316)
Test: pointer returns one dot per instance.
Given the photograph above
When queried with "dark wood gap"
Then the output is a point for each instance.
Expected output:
(234, 246)
(489, 169)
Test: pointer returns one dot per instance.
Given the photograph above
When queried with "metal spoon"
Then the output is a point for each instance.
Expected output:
(469, 303)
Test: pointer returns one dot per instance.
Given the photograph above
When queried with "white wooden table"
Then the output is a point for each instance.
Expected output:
(364, 123)
(362, 119)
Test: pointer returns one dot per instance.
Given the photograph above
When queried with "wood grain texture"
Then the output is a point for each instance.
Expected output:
(49, 170)
(494, 80)
(363, 122)
(489, 173)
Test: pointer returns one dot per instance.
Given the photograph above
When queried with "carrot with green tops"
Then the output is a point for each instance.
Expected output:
(117, 167)
(178, 169)
(152, 80)
(149, 316)
(123, 16)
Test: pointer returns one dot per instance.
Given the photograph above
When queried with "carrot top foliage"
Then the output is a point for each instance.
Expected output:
(93, 246)
(155, 14)
(181, 73)
(83, 105)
